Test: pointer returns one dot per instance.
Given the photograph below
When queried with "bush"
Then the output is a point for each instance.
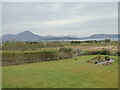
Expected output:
(107, 58)
(75, 42)
(102, 52)
(118, 53)
(20, 57)
(107, 40)
(94, 52)
(65, 49)
(25, 46)
(91, 41)
(96, 62)
(29, 55)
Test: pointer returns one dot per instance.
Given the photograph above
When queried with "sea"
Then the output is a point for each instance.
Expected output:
(112, 39)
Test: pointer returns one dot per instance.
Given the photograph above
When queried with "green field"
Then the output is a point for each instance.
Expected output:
(69, 73)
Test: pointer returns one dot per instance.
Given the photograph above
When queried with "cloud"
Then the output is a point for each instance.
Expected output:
(60, 18)
(61, 22)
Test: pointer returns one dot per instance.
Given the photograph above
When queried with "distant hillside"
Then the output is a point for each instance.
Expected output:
(63, 38)
(103, 36)
(24, 36)
(29, 36)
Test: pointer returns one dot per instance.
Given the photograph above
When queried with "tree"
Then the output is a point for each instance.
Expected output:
(107, 40)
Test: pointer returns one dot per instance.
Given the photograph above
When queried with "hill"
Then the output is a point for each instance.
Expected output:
(29, 36)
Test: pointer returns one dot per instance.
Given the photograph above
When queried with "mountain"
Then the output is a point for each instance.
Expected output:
(48, 37)
(7, 37)
(29, 36)
(23, 36)
(99, 36)
(63, 38)
(73, 36)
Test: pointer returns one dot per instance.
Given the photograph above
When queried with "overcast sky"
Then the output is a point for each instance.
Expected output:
(81, 19)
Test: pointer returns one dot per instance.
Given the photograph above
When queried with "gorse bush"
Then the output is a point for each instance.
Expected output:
(65, 52)
(20, 57)
(118, 53)
(65, 49)
(91, 41)
(104, 52)
(75, 42)
(43, 55)
(107, 58)
(107, 40)
(24, 46)
(101, 52)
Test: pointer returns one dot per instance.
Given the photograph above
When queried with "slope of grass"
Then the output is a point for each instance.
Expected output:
(69, 73)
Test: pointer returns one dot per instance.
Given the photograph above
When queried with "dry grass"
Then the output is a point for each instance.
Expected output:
(95, 48)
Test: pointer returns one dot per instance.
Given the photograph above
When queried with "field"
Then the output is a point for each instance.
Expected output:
(64, 45)
(65, 73)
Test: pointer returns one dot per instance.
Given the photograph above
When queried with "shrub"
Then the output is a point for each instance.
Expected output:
(20, 57)
(118, 53)
(25, 46)
(94, 52)
(96, 62)
(102, 52)
(107, 58)
(91, 41)
(75, 42)
(107, 40)
(66, 50)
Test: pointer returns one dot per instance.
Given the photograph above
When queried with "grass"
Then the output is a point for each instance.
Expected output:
(69, 73)
(1, 77)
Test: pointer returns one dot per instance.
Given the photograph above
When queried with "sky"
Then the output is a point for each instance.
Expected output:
(60, 18)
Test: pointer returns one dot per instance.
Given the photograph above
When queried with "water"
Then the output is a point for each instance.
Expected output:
(112, 39)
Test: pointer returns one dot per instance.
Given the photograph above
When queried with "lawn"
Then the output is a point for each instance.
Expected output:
(69, 73)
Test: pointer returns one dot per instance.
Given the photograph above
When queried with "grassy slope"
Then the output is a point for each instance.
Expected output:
(61, 74)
